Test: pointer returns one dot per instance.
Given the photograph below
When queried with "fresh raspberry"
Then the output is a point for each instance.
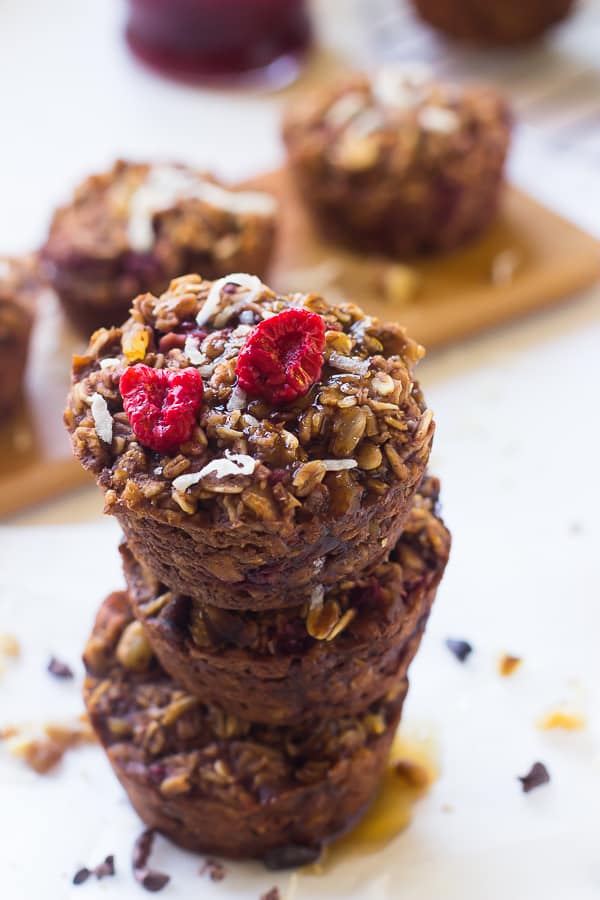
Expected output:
(161, 404)
(283, 356)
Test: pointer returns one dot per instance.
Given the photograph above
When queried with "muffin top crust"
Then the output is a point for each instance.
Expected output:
(349, 423)
(399, 119)
(138, 208)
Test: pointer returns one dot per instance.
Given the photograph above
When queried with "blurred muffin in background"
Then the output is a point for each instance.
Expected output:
(494, 21)
(399, 163)
(17, 298)
(134, 228)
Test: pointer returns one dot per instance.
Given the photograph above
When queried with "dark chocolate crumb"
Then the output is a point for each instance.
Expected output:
(291, 856)
(105, 868)
(536, 777)
(461, 649)
(214, 869)
(59, 669)
(81, 876)
(101, 871)
(149, 879)
(273, 894)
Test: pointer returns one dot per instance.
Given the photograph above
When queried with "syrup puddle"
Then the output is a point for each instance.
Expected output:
(411, 770)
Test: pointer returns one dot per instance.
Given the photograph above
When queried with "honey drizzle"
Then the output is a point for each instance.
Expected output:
(411, 770)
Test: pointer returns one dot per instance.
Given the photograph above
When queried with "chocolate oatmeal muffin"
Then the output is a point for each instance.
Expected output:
(398, 163)
(17, 299)
(253, 447)
(137, 226)
(344, 650)
(214, 783)
(494, 21)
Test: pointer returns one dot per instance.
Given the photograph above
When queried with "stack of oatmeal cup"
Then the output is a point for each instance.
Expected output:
(282, 550)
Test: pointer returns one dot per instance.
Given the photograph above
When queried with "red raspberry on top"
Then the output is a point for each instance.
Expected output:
(161, 404)
(283, 356)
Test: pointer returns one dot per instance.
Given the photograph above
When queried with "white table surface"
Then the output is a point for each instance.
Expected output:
(516, 447)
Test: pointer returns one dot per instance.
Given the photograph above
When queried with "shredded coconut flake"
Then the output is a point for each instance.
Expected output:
(158, 470)
(339, 465)
(348, 363)
(252, 284)
(345, 108)
(233, 464)
(237, 399)
(111, 362)
(102, 418)
(439, 119)
(166, 185)
(247, 317)
(192, 352)
(401, 85)
(316, 597)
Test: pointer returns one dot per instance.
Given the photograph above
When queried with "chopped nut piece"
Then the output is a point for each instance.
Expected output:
(9, 646)
(133, 650)
(400, 283)
(42, 752)
(134, 343)
(561, 719)
(504, 267)
(413, 773)
(321, 620)
(508, 664)
(356, 153)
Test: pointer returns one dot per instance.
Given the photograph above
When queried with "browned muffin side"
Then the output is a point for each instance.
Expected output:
(398, 163)
(502, 22)
(320, 486)
(17, 303)
(342, 651)
(214, 783)
(134, 228)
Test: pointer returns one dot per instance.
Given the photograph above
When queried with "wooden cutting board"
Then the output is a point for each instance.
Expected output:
(455, 294)
(455, 297)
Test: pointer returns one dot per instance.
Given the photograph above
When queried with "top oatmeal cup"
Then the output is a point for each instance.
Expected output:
(137, 226)
(252, 446)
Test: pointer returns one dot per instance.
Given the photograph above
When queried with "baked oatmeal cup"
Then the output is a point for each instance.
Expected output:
(253, 447)
(494, 22)
(341, 652)
(134, 228)
(214, 783)
(398, 163)
(18, 283)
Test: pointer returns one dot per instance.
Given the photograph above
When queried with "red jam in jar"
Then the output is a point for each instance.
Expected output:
(204, 40)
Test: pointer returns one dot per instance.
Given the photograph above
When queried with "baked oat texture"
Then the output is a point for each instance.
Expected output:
(494, 21)
(134, 228)
(18, 284)
(343, 650)
(326, 482)
(397, 162)
(214, 783)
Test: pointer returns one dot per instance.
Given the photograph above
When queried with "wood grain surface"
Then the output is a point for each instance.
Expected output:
(455, 297)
